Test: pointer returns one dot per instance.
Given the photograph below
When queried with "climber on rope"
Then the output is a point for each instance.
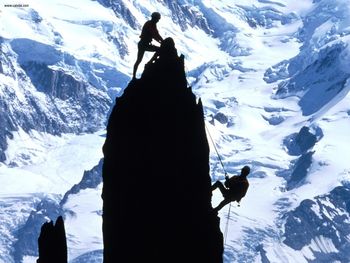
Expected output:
(235, 188)
(149, 32)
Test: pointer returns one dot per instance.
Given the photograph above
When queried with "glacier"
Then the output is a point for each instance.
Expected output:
(273, 77)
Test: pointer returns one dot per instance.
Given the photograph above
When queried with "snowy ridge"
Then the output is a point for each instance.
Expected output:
(55, 101)
(327, 217)
(273, 78)
(81, 218)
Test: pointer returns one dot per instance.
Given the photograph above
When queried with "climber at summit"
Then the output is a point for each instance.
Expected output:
(149, 32)
(235, 188)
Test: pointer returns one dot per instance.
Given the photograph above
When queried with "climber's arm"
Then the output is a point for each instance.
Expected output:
(155, 33)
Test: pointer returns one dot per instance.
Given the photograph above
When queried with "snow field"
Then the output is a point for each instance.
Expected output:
(42, 163)
(84, 222)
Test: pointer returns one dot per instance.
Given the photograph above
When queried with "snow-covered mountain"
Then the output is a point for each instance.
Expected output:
(273, 78)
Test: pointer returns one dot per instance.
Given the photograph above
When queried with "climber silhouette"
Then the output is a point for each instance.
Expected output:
(149, 32)
(235, 190)
(166, 51)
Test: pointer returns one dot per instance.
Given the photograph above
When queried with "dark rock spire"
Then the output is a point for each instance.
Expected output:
(157, 189)
(52, 243)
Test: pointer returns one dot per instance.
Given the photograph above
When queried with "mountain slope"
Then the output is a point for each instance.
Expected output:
(273, 79)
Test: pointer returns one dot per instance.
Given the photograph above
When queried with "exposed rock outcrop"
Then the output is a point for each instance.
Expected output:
(26, 243)
(300, 144)
(52, 243)
(321, 226)
(50, 91)
(157, 189)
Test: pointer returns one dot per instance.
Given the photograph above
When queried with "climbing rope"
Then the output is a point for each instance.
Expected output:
(223, 167)
(226, 227)
(217, 152)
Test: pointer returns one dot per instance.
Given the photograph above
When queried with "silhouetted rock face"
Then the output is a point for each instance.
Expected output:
(52, 243)
(157, 195)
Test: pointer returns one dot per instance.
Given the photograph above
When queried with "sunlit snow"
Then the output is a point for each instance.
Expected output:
(236, 71)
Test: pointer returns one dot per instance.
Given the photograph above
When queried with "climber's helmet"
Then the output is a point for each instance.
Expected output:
(155, 16)
(245, 170)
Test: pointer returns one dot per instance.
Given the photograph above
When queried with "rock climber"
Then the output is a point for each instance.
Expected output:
(149, 32)
(235, 188)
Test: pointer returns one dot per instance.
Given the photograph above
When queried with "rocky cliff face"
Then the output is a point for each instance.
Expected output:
(52, 243)
(51, 207)
(315, 226)
(157, 165)
(37, 94)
